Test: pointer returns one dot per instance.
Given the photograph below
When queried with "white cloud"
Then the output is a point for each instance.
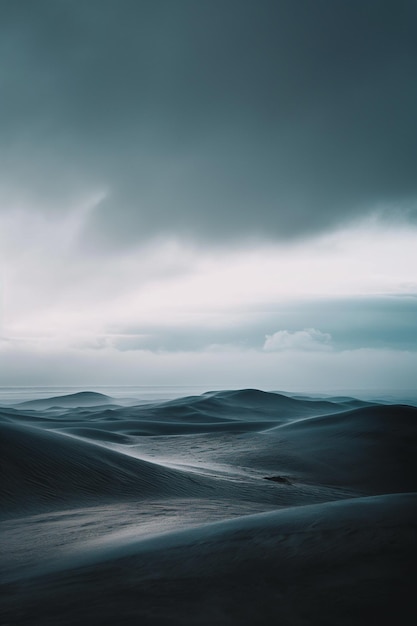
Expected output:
(309, 339)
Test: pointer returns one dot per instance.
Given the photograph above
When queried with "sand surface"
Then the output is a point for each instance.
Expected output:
(229, 508)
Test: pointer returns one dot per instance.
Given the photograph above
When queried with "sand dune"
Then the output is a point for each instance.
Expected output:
(335, 563)
(372, 448)
(243, 404)
(82, 398)
(106, 509)
(42, 470)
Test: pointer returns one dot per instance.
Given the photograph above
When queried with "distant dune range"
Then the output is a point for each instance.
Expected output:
(116, 512)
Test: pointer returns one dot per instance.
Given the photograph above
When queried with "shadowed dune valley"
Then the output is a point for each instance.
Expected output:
(232, 507)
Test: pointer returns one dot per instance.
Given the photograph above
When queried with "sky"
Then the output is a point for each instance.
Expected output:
(209, 192)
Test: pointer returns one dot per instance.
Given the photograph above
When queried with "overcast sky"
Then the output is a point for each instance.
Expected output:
(211, 192)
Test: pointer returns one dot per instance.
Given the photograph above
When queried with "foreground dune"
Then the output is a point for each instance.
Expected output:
(344, 562)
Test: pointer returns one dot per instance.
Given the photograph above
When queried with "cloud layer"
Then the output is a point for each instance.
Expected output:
(207, 189)
(214, 119)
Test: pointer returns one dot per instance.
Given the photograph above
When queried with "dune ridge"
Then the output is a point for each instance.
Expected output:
(79, 399)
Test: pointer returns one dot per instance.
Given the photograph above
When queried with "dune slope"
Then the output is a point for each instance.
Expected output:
(335, 563)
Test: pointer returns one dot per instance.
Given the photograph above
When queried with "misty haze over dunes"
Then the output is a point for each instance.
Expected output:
(230, 507)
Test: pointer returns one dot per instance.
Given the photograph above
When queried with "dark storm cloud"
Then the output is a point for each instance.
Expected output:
(211, 118)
